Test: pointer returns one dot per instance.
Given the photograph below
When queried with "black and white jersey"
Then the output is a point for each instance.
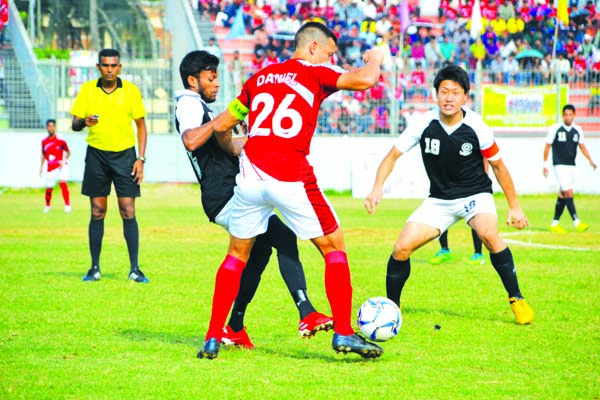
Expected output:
(214, 168)
(564, 140)
(453, 156)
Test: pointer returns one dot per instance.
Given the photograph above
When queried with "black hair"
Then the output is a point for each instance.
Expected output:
(108, 53)
(311, 28)
(51, 120)
(568, 107)
(452, 72)
(195, 62)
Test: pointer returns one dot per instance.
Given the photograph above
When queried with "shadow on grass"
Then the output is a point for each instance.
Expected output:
(80, 275)
(138, 335)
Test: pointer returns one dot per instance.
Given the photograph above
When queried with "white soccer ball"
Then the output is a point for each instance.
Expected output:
(379, 319)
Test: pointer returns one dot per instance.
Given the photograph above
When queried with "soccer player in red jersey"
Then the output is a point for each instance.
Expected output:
(454, 141)
(282, 102)
(55, 153)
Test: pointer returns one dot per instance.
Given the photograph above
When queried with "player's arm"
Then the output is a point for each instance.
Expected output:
(364, 77)
(546, 162)
(78, 123)
(587, 155)
(142, 138)
(383, 171)
(42, 163)
(516, 216)
(224, 123)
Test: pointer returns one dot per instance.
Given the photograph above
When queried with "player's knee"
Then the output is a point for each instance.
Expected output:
(401, 251)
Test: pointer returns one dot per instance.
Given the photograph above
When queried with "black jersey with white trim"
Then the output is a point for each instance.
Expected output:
(564, 140)
(214, 168)
(452, 156)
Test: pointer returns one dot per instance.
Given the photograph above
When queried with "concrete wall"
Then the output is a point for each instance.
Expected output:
(341, 163)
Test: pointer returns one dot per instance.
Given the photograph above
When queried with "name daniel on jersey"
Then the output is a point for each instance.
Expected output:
(288, 78)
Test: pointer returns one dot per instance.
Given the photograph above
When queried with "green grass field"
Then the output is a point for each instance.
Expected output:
(61, 338)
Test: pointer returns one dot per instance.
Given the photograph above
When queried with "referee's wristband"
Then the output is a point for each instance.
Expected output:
(547, 164)
(142, 159)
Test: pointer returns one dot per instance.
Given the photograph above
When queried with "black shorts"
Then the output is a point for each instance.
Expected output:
(105, 167)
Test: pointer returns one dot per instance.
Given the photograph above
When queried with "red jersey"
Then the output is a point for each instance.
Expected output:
(53, 150)
(284, 101)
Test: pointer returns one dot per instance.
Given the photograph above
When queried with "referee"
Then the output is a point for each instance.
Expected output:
(108, 106)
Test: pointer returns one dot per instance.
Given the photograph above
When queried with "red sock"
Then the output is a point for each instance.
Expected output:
(227, 285)
(65, 193)
(339, 290)
(48, 196)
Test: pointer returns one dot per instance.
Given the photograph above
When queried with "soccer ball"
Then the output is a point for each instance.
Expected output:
(379, 319)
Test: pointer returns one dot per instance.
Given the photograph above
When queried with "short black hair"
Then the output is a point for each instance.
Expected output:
(50, 121)
(311, 28)
(195, 62)
(568, 107)
(108, 53)
(452, 72)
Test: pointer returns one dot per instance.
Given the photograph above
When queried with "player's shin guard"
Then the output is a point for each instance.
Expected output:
(397, 275)
(570, 203)
(227, 285)
(339, 290)
(559, 208)
(505, 266)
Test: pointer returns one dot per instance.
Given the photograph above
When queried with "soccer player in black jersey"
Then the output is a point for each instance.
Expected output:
(454, 141)
(564, 139)
(216, 171)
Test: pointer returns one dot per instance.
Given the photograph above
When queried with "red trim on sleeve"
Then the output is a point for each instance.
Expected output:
(490, 151)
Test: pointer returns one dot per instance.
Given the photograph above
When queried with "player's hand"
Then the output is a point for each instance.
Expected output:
(545, 172)
(372, 200)
(91, 120)
(517, 219)
(373, 56)
(138, 172)
(593, 165)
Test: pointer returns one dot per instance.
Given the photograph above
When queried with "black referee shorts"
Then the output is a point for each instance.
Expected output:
(105, 167)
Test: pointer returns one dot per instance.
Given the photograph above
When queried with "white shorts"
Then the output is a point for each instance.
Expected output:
(442, 214)
(303, 206)
(565, 175)
(223, 218)
(57, 175)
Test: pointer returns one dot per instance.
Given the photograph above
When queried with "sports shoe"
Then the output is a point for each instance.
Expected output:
(558, 229)
(46, 209)
(93, 274)
(241, 338)
(476, 259)
(210, 349)
(313, 323)
(67, 209)
(138, 276)
(581, 227)
(523, 312)
(441, 257)
(355, 344)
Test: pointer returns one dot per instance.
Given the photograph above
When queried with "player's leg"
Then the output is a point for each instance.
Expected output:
(51, 179)
(95, 235)
(413, 235)
(62, 181)
(284, 240)
(227, 284)
(486, 226)
(477, 258)
(444, 254)
(564, 178)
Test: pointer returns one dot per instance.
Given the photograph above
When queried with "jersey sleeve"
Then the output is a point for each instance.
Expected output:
(485, 135)
(328, 75)
(79, 108)
(189, 113)
(138, 110)
(413, 132)
(580, 130)
(551, 133)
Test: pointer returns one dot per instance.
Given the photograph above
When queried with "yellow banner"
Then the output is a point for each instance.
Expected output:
(505, 106)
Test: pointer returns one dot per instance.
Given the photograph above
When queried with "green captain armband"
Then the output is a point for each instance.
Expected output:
(238, 109)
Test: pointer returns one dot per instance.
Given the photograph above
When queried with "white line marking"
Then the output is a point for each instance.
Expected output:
(540, 245)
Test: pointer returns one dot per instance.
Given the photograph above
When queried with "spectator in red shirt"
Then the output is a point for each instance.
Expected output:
(418, 82)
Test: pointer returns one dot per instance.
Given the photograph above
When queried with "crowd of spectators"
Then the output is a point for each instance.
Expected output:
(514, 47)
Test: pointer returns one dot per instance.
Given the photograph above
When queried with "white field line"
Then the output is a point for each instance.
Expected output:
(540, 245)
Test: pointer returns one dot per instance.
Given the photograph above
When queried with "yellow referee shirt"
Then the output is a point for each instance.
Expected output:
(116, 112)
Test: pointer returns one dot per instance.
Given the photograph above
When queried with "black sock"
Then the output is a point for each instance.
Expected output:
(284, 240)
(132, 238)
(95, 235)
(505, 266)
(571, 207)
(257, 262)
(476, 241)
(559, 208)
(397, 275)
(444, 240)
